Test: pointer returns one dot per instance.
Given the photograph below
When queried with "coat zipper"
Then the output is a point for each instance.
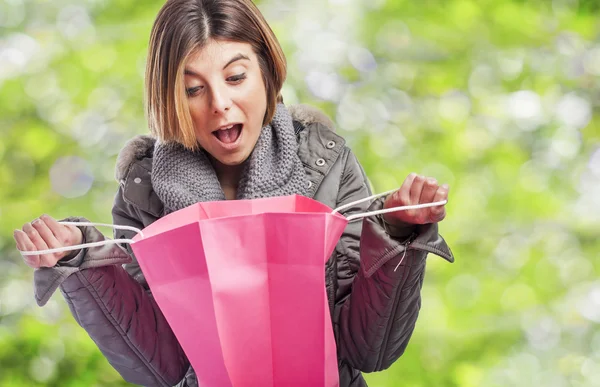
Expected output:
(395, 308)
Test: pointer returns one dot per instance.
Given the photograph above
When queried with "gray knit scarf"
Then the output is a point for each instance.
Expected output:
(181, 177)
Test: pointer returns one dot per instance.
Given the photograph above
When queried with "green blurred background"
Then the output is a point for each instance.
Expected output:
(500, 99)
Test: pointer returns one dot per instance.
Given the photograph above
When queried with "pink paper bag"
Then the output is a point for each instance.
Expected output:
(242, 285)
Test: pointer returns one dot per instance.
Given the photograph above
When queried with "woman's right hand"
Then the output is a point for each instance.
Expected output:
(46, 233)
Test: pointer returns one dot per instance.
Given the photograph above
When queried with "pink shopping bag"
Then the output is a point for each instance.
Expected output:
(242, 285)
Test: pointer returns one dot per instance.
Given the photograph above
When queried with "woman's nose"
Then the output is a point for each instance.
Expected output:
(221, 101)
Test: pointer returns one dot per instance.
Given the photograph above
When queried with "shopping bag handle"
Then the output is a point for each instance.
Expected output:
(138, 231)
(91, 244)
(385, 210)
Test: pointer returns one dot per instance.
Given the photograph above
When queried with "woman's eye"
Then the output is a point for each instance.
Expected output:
(237, 78)
(192, 91)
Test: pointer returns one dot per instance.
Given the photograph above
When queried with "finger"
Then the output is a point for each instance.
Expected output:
(407, 195)
(20, 239)
(416, 189)
(404, 191)
(39, 243)
(25, 244)
(429, 190)
(438, 213)
(60, 231)
(46, 233)
(50, 240)
(441, 194)
(401, 196)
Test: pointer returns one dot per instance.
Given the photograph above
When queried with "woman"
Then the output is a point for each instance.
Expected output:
(220, 132)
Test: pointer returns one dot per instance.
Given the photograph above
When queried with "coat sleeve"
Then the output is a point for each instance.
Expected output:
(117, 312)
(377, 300)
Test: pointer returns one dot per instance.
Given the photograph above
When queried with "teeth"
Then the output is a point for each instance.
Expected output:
(227, 128)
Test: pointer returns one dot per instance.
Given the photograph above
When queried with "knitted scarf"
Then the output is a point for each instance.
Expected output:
(181, 177)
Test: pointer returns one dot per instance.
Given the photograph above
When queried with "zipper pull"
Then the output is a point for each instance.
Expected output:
(411, 238)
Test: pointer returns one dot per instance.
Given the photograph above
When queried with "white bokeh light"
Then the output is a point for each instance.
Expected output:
(362, 59)
(326, 86)
(511, 64)
(588, 304)
(594, 163)
(525, 107)
(591, 61)
(16, 52)
(483, 80)
(455, 106)
(42, 368)
(574, 111)
(544, 334)
(73, 20)
(12, 13)
(351, 113)
(71, 176)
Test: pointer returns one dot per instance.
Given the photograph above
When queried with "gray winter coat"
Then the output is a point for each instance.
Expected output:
(373, 307)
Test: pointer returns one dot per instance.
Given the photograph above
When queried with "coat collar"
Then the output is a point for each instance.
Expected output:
(142, 146)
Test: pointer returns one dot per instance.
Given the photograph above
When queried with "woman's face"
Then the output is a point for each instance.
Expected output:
(227, 99)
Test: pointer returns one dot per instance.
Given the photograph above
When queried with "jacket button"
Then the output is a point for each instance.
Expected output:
(137, 180)
(320, 162)
(330, 145)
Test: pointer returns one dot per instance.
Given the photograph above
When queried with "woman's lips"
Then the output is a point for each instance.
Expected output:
(229, 138)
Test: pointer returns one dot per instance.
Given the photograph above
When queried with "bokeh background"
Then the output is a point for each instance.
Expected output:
(498, 98)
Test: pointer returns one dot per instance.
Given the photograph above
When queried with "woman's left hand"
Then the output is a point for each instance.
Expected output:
(417, 189)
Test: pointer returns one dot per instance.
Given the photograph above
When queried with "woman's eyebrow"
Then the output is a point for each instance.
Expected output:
(235, 59)
(190, 72)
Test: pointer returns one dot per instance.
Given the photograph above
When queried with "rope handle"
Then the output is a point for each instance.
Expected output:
(385, 210)
(91, 244)
(138, 231)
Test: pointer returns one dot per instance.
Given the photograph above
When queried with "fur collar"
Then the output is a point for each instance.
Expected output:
(142, 146)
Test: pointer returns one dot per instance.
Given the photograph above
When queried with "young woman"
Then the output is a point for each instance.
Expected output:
(221, 132)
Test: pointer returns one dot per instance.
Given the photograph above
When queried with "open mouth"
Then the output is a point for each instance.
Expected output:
(228, 135)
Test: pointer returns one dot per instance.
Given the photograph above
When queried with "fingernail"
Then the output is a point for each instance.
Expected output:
(431, 181)
(35, 221)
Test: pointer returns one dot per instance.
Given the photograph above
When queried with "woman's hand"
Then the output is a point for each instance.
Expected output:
(417, 189)
(46, 233)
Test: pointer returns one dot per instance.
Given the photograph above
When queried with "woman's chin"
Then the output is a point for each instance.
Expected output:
(232, 159)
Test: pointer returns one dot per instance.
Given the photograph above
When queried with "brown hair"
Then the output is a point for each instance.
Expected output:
(181, 28)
